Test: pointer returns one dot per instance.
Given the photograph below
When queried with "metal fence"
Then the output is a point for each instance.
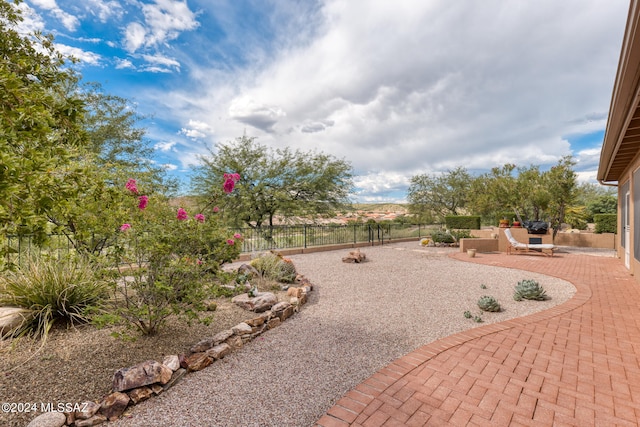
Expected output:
(305, 236)
(20, 248)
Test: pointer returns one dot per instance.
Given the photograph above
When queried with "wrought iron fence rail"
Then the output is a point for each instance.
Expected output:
(254, 239)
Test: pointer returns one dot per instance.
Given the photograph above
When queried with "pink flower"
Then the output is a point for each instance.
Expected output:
(131, 186)
(143, 201)
(216, 209)
(125, 227)
(228, 185)
(182, 214)
(235, 177)
(237, 236)
(199, 262)
(199, 217)
(230, 242)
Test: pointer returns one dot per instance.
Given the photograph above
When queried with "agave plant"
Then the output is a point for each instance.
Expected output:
(529, 289)
(487, 303)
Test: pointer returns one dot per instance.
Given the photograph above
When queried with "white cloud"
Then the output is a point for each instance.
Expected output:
(165, 146)
(399, 88)
(124, 63)
(196, 129)
(69, 21)
(105, 10)
(86, 57)
(164, 20)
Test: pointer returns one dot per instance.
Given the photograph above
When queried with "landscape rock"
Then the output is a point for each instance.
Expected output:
(263, 301)
(220, 351)
(11, 318)
(145, 373)
(93, 421)
(273, 323)
(89, 410)
(355, 257)
(235, 342)
(177, 376)
(242, 329)
(198, 361)
(114, 405)
(256, 321)
(48, 419)
(157, 388)
(248, 270)
(137, 395)
(172, 362)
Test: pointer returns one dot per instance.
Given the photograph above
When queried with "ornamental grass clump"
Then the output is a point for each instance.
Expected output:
(66, 291)
(530, 290)
(273, 266)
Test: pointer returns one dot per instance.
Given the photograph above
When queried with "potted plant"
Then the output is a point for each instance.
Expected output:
(504, 223)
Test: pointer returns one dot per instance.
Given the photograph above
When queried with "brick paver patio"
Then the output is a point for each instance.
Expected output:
(576, 364)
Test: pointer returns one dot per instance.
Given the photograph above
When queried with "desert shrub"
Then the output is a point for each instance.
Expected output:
(442, 237)
(166, 262)
(54, 290)
(275, 267)
(461, 234)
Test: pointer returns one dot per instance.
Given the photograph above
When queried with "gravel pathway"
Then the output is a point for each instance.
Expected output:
(359, 318)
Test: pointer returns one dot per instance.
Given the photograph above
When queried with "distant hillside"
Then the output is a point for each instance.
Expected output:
(399, 208)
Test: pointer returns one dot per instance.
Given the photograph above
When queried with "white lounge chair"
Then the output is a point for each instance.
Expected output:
(543, 248)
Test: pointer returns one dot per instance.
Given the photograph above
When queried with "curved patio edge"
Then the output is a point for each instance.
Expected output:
(383, 398)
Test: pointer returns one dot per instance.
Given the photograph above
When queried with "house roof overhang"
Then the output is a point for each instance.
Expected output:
(622, 136)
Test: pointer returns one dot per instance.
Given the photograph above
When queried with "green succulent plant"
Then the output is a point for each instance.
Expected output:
(487, 303)
(529, 289)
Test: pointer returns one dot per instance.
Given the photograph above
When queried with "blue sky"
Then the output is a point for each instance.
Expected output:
(396, 88)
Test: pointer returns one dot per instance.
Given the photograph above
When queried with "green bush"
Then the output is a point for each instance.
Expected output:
(442, 237)
(462, 222)
(55, 291)
(606, 223)
(461, 234)
(166, 262)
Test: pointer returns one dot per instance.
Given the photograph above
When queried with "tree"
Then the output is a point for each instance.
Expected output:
(41, 140)
(444, 194)
(561, 183)
(283, 182)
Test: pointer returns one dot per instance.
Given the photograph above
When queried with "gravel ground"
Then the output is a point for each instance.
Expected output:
(359, 318)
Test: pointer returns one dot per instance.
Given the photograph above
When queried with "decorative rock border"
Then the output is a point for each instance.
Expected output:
(147, 379)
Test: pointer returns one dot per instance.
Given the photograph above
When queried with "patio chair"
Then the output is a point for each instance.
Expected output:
(517, 247)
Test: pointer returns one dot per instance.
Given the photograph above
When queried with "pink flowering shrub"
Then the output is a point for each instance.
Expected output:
(170, 255)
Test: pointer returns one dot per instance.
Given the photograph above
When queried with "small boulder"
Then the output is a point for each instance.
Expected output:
(263, 301)
(198, 361)
(49, 419)
(114, 405)
(355, 257)
(11, 318)
(145, 373)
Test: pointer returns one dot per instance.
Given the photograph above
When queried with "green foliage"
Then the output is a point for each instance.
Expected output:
(275, 267)
(529, 290)
(460, 234)
(439, 195)
(42, 144)
(167, 261)
(464, 222)
(283, 182)
(606, 223)
(468, 315)
(55, 291)
(442, 237)
(488, 303)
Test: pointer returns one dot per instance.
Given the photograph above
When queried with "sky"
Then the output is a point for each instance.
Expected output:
(396, 88)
